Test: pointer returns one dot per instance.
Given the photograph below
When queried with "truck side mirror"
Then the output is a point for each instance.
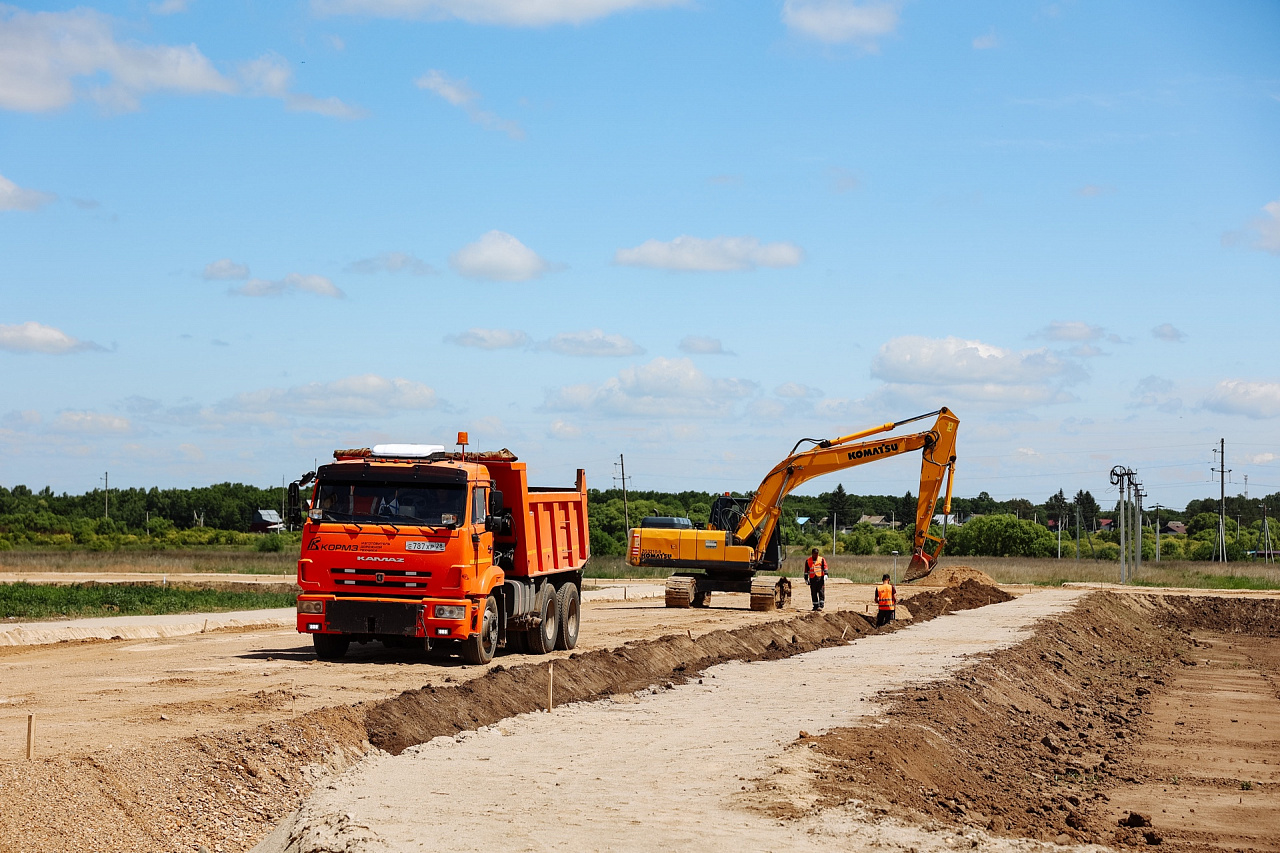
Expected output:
(495, 502)
(294, 515)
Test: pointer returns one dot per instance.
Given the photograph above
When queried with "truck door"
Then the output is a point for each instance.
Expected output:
(481, 539)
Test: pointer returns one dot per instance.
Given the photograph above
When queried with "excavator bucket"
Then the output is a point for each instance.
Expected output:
(920, 567)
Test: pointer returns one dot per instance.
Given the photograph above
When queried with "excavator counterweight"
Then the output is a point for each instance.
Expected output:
(742, 538)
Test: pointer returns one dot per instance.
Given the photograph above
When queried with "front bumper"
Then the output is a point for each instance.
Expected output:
(386, 616)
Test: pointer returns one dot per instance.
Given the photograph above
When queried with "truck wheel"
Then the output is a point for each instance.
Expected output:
(542, 639)
(568, 607)
(480, 648)
(330, 646)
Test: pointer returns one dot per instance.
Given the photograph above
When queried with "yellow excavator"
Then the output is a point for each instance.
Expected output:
(742, 535)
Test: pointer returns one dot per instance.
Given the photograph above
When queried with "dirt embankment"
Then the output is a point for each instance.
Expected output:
(1035, 740)
(225, 791)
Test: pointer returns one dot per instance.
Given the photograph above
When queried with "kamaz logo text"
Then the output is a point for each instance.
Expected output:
(873, 451)
(379, 559)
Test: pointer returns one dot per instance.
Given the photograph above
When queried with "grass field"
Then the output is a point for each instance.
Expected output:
(1015, 570)
(1178, 573)
(24, 601)
(161, 562)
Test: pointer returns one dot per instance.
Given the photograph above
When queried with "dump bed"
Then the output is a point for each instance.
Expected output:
(549, 525)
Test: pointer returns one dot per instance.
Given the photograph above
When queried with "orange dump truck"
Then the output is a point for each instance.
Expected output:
(413, 546)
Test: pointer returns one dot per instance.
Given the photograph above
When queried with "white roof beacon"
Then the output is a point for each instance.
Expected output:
(407, 451)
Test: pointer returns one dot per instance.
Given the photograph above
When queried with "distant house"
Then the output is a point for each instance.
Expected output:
(947, 520)
(1105, 524)
(877, 521)
(1174, 527)
(266, 521)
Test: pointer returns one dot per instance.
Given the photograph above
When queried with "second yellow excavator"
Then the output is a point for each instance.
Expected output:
(742, 535)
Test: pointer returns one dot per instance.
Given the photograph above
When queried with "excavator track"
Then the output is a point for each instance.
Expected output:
(680, 591)
(769, 593)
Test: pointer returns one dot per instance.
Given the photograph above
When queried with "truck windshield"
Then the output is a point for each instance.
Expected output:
(393, 503)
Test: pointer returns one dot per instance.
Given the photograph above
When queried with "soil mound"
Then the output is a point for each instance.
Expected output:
(966, 595)
(954, 575)
(1029, 741)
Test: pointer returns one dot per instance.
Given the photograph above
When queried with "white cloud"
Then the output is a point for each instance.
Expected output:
(1166, 332)
(270, 76)
(169, 7)
(49, 59)
(1027, 452)
(664, 387)
(392, 262)
(973, 371)
(1073, 330)
(497, 256)
(22, 419)
(564, 430)
(460, 95)
(718, 254)
(836, 21)
(797, 391)
(517, 13)
(1263, 233)
(14, 197)
(225, 270)
(1260, 458)
(701, 345)
(93, 423)
(291, 283)
(593, 342)
(490, 339)
(1156, 392)
(36, 337)
(1241, 397)
(356, 396)
(986, 41)
(1085, 351)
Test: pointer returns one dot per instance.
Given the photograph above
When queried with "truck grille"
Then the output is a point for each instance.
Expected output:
(382, 578)
(374, 617)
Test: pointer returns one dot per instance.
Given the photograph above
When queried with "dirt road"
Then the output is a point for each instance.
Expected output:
(675, 764)
(93, 696)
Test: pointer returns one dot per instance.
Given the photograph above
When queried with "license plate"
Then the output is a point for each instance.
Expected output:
(424, 546)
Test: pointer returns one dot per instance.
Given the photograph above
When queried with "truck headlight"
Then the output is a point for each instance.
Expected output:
(311, 607)
(450, 611)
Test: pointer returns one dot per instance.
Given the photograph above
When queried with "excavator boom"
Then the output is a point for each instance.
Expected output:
(742, 547)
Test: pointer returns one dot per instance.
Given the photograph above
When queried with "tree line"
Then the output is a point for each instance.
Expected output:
(220, 514)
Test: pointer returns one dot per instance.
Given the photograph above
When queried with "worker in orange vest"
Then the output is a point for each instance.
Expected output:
(886, 602)
(815, 575)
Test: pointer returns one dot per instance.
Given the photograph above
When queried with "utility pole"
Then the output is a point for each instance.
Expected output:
(1138, 495)
(1118, 476)
(1266, 534)
(1158, 508)
(1222, 500)
(106, 494)
(1077, 533)
(626, 511)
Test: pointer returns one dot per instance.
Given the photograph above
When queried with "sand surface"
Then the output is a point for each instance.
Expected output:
(673, 768)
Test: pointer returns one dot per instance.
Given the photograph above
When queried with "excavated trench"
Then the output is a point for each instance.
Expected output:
(223, 792)
(1054, 739)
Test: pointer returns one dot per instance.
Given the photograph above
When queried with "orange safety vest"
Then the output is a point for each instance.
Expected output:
(815, 568)
(885, 594)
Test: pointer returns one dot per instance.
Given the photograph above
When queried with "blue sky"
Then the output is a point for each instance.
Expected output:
(235, 236)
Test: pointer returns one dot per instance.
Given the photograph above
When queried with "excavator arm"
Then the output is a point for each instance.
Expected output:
(938, 444)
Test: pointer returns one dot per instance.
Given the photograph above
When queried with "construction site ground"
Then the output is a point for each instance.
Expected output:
(1081, 707)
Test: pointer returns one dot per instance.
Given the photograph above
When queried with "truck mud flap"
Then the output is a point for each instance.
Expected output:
(374, 617)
